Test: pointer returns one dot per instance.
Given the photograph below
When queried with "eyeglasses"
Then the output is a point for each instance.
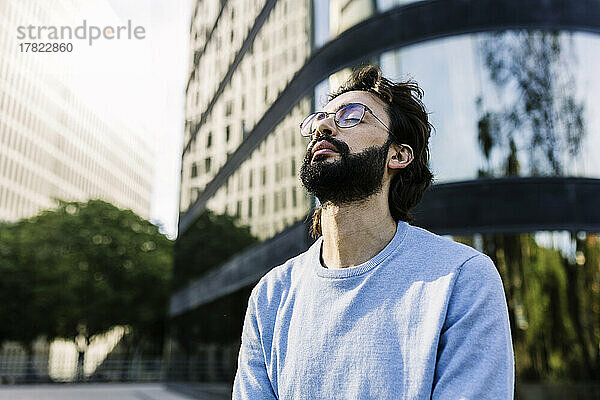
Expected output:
(346, 117)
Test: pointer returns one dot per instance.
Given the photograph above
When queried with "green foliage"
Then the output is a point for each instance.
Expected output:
(554, 305)
(206, 245)
(86, 265)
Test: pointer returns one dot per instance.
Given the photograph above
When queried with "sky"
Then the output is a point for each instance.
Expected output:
(143, 84)
(162, 69)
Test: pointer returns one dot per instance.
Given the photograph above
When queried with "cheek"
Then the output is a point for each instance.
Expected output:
(364, 143)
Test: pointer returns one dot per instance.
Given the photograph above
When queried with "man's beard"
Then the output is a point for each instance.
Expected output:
(351, 178)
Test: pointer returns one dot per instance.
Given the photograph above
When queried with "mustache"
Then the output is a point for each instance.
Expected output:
(342, 147)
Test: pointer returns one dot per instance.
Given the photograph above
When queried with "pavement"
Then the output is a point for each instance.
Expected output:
(93, 391)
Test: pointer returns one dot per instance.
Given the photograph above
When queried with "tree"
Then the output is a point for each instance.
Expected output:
(208, 243)
(540, 120)
(83, 268)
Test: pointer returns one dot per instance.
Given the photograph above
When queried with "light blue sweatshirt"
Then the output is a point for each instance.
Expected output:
(424, 318)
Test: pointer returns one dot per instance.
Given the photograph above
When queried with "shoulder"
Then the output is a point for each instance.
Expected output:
(276, 283)
(443, 246)
(441, 255)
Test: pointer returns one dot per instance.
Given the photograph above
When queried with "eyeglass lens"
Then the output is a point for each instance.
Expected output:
(345, 117)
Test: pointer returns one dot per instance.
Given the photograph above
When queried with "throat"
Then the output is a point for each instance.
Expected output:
(351, 237)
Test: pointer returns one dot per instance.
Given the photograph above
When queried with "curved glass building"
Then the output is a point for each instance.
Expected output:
(511, 88)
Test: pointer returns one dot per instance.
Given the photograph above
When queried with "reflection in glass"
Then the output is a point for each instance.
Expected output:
(552, 285)
(515, 103)
(539, 125)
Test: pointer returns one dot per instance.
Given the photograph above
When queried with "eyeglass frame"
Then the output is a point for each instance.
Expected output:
(327, 114)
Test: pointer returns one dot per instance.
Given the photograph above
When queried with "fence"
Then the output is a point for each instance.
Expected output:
(14, 370)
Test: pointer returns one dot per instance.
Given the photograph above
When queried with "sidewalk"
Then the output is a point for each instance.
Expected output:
(96, 391)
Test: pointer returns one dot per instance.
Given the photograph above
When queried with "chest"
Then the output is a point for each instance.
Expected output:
(367, 338)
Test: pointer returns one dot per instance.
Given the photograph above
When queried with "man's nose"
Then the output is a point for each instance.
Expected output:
(325, 126)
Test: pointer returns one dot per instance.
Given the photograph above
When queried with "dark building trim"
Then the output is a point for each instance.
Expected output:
(492, 205)
(399, 27)
(511, 205)
(242, 270)
(198, 54)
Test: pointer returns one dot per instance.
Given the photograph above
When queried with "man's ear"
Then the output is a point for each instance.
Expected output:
(399, 156)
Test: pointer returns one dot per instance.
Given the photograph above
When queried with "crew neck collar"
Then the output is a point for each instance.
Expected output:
(339, 273)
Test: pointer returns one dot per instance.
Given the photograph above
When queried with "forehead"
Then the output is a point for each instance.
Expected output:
(357, 96)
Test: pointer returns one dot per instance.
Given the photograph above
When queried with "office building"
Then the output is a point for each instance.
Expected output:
(53, 142)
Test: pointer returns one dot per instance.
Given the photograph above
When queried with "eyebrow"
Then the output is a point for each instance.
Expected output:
(341, 106)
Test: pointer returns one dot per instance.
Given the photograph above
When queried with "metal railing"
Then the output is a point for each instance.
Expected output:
(19, 370)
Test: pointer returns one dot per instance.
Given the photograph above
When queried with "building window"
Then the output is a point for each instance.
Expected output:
(250, 176)
(283, 199)
(207, 164)
(262, 205)
(194, 170)
(263, 178)
(243, 102)
(250, 207)
(238, 209)
(227, 133)
(276, 201)
(194, 194)
(228, 108)
(293, 166)
(294, 197)
(209, 140)
(266, 93)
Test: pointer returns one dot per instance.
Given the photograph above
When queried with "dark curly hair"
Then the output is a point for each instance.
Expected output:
(409, 124)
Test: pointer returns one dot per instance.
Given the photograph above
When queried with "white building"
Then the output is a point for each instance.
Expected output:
(54, 143)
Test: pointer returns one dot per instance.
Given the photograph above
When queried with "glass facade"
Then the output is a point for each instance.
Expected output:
(264, 193)
(480, 101)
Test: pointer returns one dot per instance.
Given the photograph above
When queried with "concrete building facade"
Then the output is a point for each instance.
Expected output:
(53, 143)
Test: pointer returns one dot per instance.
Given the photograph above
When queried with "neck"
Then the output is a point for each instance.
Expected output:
(354, 233)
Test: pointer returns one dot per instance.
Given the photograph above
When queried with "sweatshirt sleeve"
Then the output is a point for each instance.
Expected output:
(251, 379)
(475, 354)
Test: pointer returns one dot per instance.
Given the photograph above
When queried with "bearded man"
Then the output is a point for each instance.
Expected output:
(376, 308)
